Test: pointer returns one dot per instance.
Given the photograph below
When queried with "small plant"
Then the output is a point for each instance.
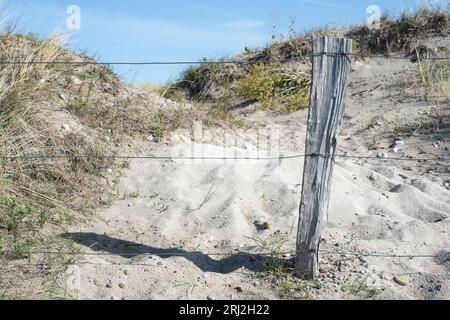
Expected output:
(435, 79)
(208, 196)
(283, 275)
(258, 84)
(80, 104)
(22, 249)
(273, 88)
(126, 164)
(356, 45)
(296, 101)
(375, 144)
(196, 79)
(216, 116)
(369, 126)
(272, 247)
(361, 287)
(172, 92)
(438, 115)
(165, 122)
(160, 207)
(15, 214)
(131, 195)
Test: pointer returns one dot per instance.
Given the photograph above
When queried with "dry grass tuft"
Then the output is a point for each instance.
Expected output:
(40, 196)
(67, 110)
(238, 85)
(402, 34)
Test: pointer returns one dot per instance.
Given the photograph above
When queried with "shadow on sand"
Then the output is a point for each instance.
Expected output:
(126, 249)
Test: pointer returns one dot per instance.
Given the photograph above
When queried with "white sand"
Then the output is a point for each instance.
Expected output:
(199, 209)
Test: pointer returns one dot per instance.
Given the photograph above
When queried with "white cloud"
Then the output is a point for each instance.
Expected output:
(114, 36)
(245, 24)
(173, 33)
(327, 4)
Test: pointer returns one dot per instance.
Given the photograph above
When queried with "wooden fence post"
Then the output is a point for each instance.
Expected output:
(331, 69)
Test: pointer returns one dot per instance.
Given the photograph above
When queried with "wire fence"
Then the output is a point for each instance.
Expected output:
(220, 62)
(153, 157)
(283, 258)
(176, 252)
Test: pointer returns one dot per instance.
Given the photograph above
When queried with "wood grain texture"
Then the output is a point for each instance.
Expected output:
(331, 69)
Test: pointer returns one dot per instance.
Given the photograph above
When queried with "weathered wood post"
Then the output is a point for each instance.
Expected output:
(331, 68)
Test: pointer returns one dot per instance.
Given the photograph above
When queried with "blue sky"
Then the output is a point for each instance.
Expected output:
(143, 30)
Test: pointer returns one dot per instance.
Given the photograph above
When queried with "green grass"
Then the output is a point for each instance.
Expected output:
(131, 195)
(23, 222)
(80, 104)
(14, 214)
(287, 284)
(361, 287)
(375, 143)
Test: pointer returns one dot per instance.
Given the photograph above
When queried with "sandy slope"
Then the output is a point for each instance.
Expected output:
(183, 228)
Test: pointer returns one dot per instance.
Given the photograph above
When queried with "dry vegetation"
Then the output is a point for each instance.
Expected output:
(403, 34)
(58, 110)
(72, 110)
(37, 196)
(271, 77)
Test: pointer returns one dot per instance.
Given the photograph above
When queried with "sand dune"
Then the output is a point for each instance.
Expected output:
(190, 224)
(186, 207)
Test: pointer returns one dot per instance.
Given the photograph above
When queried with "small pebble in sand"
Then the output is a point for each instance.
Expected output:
(109, 285)
(324, 269)
(382, 156)
(263, 226)
(403, 176)
(121, 286)
(397, 146)
(239, 289)
(401, 280)
(267, 226)
(212, 297)
(97, 283)
(126, 272)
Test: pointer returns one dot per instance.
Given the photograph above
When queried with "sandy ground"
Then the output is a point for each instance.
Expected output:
(184, 229)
